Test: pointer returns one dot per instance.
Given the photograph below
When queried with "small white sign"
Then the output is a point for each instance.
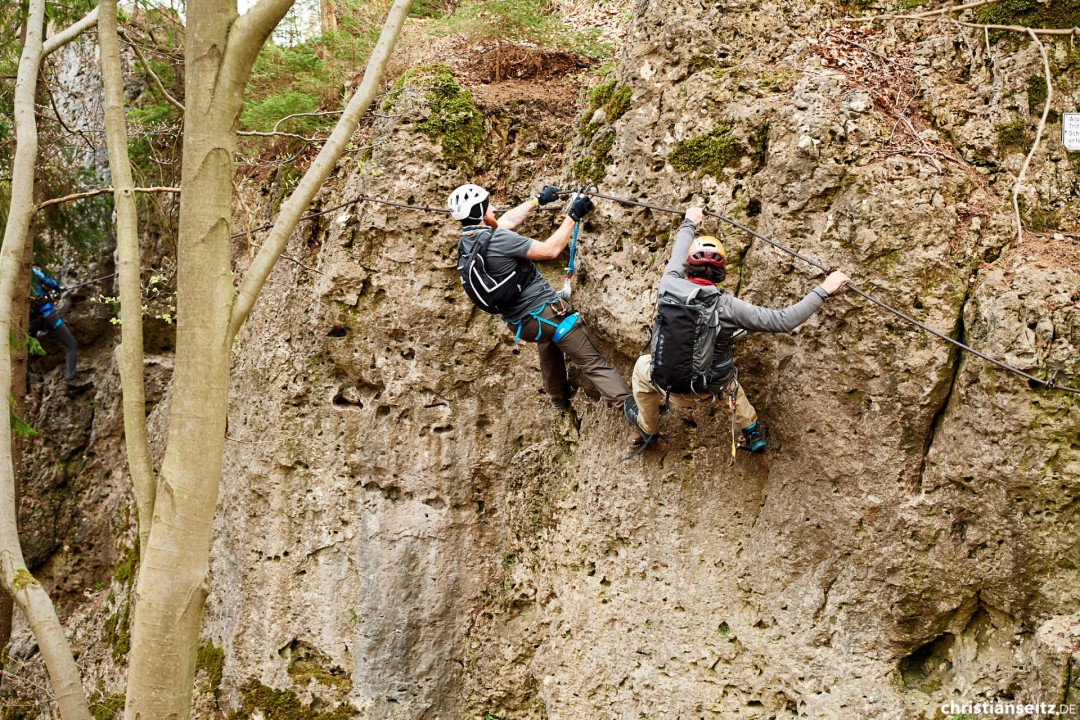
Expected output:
(1070, 130)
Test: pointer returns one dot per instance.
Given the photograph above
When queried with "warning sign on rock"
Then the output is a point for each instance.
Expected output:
(1070, 130)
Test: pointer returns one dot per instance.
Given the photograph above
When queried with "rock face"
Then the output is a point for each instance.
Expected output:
(408, 527)
(404, 501)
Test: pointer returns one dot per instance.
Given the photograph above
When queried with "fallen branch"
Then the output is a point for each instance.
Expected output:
(931, 14)
(102, 191)
(1038, 135)
(923, 15)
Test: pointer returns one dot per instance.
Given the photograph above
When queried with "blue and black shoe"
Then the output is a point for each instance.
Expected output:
(753, 439)
(643, 439)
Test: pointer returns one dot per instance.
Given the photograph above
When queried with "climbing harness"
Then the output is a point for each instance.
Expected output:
(1049, 384)
(561, 328)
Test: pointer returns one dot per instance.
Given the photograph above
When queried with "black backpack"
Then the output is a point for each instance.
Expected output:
(691, 353)
(490, 293)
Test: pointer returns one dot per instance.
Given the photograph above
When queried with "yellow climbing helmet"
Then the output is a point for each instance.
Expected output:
(707, 250)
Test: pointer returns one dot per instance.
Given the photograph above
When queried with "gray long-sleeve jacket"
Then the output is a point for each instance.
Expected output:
(734, 313)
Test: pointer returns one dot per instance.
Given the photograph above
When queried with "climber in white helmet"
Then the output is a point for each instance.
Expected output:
(498, 274)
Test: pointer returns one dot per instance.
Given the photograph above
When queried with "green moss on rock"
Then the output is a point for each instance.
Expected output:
(453, 121)
(118, 633)
(707, 154)
(211, 659)
(611, 97)
(259, 700)
(1031, 13)
(593, 166)
(308, 664)
(127, 565)
(20, 711)
(1012, 135)
(107, 706)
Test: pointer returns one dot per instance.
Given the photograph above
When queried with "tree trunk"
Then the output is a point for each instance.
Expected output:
(129, 354)
(173, 581)
(173, 584)
(327, 15)
(20, 321)
(26, 591)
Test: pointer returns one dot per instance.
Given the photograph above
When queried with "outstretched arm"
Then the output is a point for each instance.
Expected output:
(681, 249)
(515, 216)
(758, 319)
(550, 248)
(47, 281)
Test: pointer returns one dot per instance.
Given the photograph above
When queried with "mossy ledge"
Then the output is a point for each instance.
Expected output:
(258, 700)
(454, 121)
(708, 154)
(614, 99)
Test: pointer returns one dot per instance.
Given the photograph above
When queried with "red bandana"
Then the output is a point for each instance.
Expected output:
(702, 281)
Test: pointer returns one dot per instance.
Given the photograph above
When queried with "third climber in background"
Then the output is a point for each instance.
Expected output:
(690, 349)
(498, 274)
(45, 318)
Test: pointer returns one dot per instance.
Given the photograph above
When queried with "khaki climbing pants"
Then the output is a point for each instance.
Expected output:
(649, 399)
(576, 345)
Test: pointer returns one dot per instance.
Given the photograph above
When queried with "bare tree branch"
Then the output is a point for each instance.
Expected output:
(256, 133)
(310, 114)
(153, 76)
(248, 34)
(1038, 135)
(129, 354)
(73, 31)
(102, 191)
(313, 179)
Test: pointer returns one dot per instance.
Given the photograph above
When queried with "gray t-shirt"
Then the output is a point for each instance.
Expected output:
(504, 251)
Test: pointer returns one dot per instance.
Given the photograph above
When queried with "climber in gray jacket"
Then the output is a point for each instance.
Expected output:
(690, 350)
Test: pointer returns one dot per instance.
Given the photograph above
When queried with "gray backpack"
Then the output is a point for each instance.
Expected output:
(691, 353)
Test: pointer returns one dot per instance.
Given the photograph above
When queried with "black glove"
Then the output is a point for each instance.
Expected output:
(548, 194)
(581, 207)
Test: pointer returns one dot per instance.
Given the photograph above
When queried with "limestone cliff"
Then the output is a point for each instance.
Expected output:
(408, 527)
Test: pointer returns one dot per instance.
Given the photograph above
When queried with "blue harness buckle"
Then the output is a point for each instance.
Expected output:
(561, 328)
(565, 326)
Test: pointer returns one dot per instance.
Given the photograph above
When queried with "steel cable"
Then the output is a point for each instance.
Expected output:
(1049, 384)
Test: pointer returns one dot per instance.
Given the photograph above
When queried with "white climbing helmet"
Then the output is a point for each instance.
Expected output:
(464, 199)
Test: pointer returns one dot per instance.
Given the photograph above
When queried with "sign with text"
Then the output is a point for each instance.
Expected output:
(1070, 130)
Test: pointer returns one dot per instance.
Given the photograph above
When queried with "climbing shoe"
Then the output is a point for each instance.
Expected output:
(753, 439)
(563, 403)
(639, 439)
(77, 385)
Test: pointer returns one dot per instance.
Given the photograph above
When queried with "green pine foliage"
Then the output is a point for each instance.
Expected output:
(312, 75)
